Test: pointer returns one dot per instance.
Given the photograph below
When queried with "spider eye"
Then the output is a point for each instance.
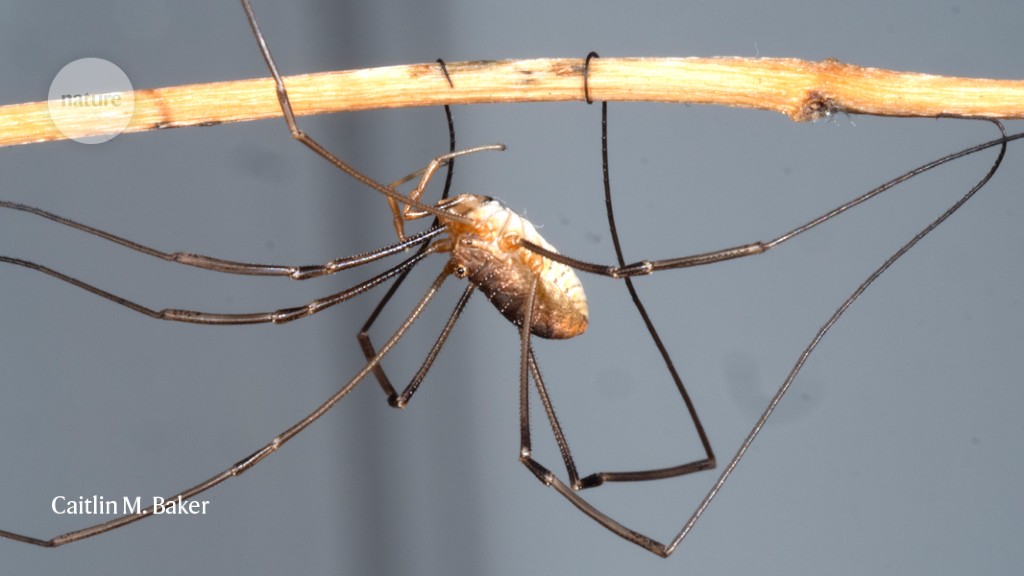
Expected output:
(460, 271)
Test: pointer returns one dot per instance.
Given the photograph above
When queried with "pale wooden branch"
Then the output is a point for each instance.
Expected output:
(800, 89)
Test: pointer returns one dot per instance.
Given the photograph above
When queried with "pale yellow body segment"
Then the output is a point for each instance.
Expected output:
(487, 253)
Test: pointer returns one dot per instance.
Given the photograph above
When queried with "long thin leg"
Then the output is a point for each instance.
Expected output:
(363, 336)
(527, 364)
(395, 399)
(298, 134)
(599, 478)
(550, 479)
(645, 267)
(230, 266)
(708, 461)
(556, 428)
(390, 192)
(802, 359)
(195, 317)
(252, 459)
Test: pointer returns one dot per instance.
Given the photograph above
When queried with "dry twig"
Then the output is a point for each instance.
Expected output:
(799, 89)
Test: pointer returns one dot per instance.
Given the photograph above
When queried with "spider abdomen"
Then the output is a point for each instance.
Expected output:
(487, 253)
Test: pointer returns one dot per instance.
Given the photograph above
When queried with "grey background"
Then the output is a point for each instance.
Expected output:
(895, 452)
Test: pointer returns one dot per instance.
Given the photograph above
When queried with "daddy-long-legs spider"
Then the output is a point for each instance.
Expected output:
(766, 509)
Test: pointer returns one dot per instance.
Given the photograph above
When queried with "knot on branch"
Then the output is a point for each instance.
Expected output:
(816, 106)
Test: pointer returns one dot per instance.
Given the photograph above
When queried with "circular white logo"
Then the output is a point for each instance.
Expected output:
(91, 88)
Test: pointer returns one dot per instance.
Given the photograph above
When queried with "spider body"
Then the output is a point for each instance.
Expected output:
(488, 254)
